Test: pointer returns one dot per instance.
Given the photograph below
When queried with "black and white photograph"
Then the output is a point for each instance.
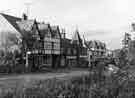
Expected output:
(67, 49)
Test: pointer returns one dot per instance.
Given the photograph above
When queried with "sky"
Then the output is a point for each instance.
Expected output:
(105, 20)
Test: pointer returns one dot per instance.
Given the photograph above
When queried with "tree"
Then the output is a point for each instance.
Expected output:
(123, 57)
(10, 43)
(126, 40)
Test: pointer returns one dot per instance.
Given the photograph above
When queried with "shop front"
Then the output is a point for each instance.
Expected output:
(71, 61)
(40, 60)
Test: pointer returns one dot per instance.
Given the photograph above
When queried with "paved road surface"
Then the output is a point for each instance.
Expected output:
(15, 80)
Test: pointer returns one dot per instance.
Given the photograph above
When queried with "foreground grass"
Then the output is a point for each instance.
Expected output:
(119, 85)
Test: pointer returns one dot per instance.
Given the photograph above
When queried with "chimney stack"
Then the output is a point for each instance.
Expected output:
(24, 16)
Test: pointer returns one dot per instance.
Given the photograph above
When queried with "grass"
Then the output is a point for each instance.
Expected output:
(116, 86)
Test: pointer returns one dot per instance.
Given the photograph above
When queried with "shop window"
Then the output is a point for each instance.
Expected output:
(40, 59)
(47, 59)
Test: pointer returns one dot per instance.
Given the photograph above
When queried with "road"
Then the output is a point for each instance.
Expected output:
(12, 81)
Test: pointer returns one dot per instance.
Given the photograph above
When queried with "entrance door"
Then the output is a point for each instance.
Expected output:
(35, 63)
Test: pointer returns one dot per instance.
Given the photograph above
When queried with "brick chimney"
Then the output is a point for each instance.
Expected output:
(24, 16)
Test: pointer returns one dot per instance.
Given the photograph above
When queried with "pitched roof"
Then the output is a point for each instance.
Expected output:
(76, 38)
(95, 44)
(66, 40)
(54, 28)
(43, 26)
(43, 29)
(12, 20)
(22, 26)
(25, 25)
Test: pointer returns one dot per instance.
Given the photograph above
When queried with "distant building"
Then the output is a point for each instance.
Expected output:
(116, 53)
(73, 50)
(96, 50)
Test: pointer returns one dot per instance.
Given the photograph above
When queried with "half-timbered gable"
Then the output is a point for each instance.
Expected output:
(55, 35)
(55, 32)
(44, 31)
(45, 35)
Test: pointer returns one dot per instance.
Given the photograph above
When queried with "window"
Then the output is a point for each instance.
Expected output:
(56, 46)
(53, 34)
(41, 44)
(47, 34)
(68, 51)
(47, 45)
(74, 51)
(47, 60)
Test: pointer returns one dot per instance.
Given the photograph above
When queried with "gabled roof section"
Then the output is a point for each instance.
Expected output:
(56, 30)
(12, 20)
(76, 38)
(25, 25)
(95, 44)
(66, 40)
(34, 27)
(44, 29)
(43, 26)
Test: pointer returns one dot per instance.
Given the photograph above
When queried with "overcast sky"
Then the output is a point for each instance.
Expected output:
(105, 20)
